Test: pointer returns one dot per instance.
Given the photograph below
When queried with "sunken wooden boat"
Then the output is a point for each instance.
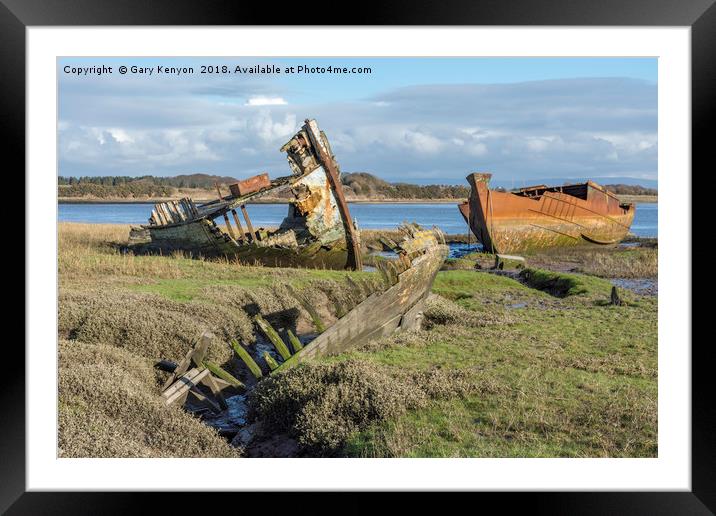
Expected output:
(543, 216)
(317, 232)
(198, 385)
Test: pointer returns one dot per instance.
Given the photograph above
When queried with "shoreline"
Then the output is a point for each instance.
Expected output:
(454, 238)
(638, 199)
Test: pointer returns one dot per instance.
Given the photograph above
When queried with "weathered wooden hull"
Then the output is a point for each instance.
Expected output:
(317, 232)
(397, 308)
(198, 384)
(542, 217)
(204, 238)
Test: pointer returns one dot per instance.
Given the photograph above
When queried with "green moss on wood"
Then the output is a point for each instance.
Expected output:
(273, 336)
(295, 343)
(317, 322)
(224, 375)
(270, 361)
(246, 358)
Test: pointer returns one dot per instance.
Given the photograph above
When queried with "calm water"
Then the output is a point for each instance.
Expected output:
(369, 216)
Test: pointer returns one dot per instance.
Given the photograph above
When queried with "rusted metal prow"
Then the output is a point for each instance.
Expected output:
(325, 157)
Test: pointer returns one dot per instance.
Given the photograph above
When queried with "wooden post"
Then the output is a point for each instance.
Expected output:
(210, 382)
(270, 361)
(165, 212)
(295, 343)
(192, 207)
(248, 222)
(205, 399)
(224, 375)
(201, 347)
(244, 355)
(317, 322)
(273, 336)
(615, 299)
(228, 226)
(218, 190)
(355, 260)
(238, 225)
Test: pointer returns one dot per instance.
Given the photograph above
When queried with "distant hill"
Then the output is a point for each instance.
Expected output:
(621, 189)
(362, 185)
(357, 186)
(498, 180)
(181, 181)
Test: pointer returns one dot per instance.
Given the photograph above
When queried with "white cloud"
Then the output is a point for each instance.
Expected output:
(539, 143)
(266, 101)
(422, 142)
(550, 129)
(120, 135)
(270, 131)
(477, 149)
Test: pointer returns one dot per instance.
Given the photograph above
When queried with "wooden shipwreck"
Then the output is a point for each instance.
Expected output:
(408, 277)
(317, 232)
(544, 216)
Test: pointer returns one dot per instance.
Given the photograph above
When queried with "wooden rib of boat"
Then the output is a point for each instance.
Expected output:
(318, 230)
(407, 278)
(400, 307)
(544, 216)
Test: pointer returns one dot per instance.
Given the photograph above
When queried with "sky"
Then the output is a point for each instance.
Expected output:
(425, 120)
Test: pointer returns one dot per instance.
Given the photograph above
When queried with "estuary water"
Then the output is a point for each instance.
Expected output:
(369, 216)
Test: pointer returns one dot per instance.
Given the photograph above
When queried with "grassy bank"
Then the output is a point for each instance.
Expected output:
(548, 376)
(505, 366)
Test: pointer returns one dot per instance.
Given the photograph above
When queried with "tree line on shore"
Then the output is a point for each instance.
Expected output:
(358, 185)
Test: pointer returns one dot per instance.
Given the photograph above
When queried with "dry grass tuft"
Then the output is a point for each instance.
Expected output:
(322, 405)
(147, 324)
(439, 310)
(92, 250)
(641, 261)
(109, 406)
(632, 263)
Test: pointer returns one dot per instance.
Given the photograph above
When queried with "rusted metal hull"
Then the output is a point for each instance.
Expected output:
(541, 217)
(250, 185)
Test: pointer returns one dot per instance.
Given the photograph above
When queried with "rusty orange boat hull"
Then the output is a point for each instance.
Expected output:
(541, 216)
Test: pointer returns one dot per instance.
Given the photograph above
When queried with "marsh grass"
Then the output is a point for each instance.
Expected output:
(567, 378)
(118, 314)
(109, 406)
(323, 404)
(640, 261)
(561, 284)
(501, 369)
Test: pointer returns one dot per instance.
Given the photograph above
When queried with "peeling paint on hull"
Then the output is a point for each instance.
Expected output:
(541, 217)
(205, 238)
(315, 232)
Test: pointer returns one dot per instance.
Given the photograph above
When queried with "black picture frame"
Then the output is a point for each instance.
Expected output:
(700, 15)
